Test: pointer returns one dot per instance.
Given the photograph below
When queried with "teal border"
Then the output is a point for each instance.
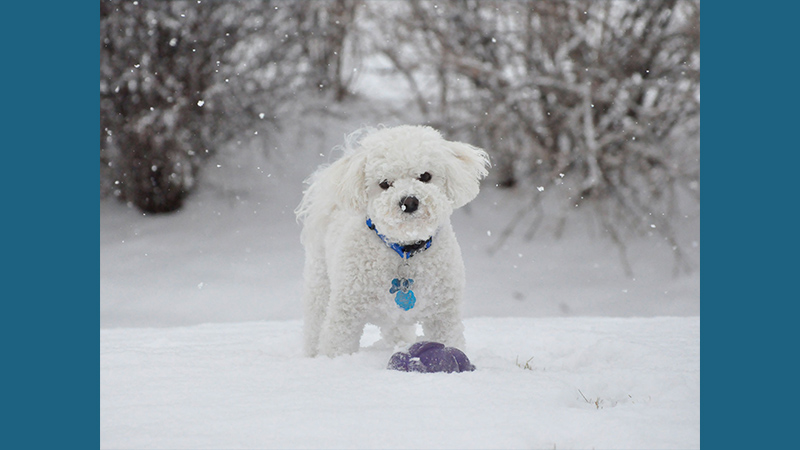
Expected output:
(749, 266)
(749, 245)
(50, 216)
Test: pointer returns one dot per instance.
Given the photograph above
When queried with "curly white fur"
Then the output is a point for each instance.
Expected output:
(349, 269)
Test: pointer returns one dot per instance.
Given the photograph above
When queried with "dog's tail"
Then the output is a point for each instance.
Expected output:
(309, 212)
(303, 210)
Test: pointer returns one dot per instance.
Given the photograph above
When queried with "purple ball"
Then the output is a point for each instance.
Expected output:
(463, 362)
(429, 357)
(399, 361)
(405, 363)
(439, 360)
(423, 346)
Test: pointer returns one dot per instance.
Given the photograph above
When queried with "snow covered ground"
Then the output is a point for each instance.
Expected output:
(540, 383)
(201, 325)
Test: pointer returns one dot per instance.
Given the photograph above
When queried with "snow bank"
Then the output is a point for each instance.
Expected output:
(540, 383)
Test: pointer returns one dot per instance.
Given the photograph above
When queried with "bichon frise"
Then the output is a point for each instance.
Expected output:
(379, 245)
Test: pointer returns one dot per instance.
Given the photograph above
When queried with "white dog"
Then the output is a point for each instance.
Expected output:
(379, 245)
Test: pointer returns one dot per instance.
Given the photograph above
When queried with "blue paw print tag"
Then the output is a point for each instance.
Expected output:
(404, 298)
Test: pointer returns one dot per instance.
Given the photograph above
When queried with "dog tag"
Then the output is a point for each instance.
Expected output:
(405, 300)
(404, 296)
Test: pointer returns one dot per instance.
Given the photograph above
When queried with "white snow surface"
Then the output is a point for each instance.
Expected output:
(201, 325)
(591, 383)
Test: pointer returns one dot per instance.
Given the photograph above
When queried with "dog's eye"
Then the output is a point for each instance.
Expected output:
(385, 184)
(425, 177)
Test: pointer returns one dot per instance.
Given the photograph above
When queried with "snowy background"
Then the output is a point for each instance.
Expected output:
(200, 331)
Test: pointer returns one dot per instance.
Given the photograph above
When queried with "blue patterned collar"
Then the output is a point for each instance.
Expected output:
(405, 251)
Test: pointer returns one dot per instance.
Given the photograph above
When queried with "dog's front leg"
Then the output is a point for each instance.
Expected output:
(343, 324)
(315, 300)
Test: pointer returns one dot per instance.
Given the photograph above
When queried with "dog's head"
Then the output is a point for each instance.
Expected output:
(407, 179)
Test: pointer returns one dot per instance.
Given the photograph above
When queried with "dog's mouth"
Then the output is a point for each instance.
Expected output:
(407, 228)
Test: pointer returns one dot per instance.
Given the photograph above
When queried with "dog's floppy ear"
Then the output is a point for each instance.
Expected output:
(464, 171)
(347, 179)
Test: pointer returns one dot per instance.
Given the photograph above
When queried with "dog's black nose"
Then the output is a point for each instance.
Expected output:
(409, 204)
